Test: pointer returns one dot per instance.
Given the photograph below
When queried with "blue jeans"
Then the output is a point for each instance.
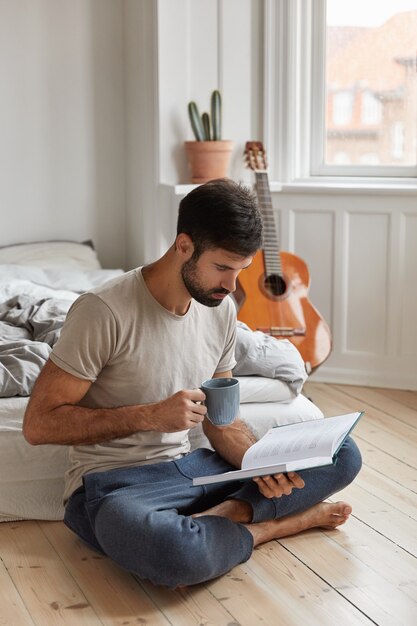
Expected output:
(141, 516)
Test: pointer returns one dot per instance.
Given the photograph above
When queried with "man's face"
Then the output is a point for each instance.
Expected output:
(211, 277)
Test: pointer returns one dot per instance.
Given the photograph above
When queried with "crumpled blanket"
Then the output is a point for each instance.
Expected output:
(42, 320)
(28, 331)
(34, 302)
(259, 354)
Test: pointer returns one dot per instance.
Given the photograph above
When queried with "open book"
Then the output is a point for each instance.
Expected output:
(291, 448)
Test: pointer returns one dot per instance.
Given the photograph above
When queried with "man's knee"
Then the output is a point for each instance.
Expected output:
(350, 460)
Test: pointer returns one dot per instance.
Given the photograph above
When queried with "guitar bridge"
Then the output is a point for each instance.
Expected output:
(283, 331)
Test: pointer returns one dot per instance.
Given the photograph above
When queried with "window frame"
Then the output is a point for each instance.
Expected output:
(294, 106)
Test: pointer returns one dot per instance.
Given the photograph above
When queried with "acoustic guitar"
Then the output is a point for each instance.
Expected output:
(272, 293)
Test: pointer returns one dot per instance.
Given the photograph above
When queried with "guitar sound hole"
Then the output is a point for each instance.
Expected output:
(275, 284)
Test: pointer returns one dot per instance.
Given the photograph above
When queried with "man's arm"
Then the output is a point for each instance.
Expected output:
(232, 441)
(53, 414)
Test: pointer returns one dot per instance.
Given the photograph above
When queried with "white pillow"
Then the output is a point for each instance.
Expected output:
(262, 389)
(261, 417)
(51, 254)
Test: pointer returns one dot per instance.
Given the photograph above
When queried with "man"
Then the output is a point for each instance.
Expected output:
(122, 389)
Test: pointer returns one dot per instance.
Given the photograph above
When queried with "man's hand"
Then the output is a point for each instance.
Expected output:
(278, 485)
(179, 412)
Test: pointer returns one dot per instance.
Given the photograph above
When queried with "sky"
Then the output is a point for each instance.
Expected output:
(365, 12)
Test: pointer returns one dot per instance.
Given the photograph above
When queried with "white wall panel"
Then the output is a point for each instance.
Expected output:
(409, 287)
(367, 282)
(313, 240)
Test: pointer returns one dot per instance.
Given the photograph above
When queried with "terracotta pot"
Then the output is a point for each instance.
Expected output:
(208, 159)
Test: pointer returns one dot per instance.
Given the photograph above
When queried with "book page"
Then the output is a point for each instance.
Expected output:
(304, 440)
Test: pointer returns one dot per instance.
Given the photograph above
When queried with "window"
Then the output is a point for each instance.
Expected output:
(341, 88)
(372, 56)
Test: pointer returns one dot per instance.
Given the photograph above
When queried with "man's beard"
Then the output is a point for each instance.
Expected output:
(194, 287)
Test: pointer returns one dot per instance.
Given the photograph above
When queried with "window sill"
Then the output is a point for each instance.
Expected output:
(348, 187)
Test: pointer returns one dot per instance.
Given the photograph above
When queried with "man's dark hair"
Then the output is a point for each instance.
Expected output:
(221, 214)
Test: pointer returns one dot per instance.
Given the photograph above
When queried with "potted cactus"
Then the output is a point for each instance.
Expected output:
(208, 156)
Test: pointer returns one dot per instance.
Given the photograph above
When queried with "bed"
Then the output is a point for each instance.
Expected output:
(38, 283)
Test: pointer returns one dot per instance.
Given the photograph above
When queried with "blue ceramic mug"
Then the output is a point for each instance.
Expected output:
(222, 400)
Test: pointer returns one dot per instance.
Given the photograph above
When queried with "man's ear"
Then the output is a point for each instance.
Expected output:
(184, 246)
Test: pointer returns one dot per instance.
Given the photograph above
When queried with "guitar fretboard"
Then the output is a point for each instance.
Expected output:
(271, 244)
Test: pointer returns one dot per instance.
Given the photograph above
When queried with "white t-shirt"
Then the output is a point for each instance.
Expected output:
(136, 352)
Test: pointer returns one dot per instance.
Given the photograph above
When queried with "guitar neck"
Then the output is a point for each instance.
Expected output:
(271, 244)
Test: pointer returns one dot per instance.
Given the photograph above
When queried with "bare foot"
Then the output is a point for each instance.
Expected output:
(235, 510)
(327, 515)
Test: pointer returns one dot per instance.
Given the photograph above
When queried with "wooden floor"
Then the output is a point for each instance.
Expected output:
(364, 573)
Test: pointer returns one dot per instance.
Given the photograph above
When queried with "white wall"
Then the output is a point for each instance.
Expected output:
(62, 123)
